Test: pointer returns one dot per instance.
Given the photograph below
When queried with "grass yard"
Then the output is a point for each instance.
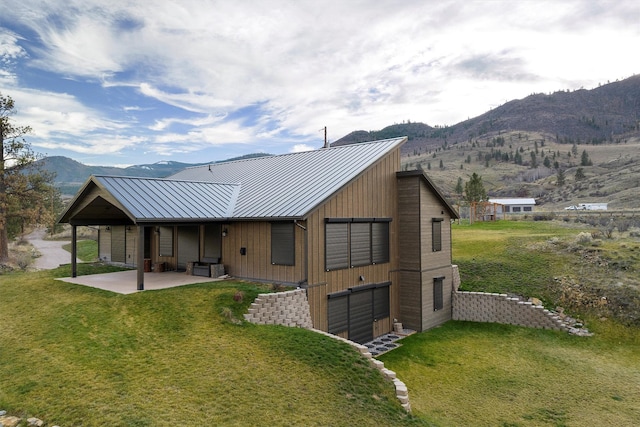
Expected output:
(475, 374)
(72, 355)
(87, 250)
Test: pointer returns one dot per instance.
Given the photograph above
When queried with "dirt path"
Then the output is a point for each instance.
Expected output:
(52, 254)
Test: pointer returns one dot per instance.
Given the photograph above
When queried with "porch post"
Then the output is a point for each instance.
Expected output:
(74, 251)
(140, 257)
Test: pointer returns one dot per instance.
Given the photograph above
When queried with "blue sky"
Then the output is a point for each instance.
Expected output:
(126, 82)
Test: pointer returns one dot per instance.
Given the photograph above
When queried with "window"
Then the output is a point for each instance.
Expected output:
(381, 302)
(166, 241)
(517, 209)
(507, 209)
(360, 235)
(438, 302)
(527, 208)
(436, 234)
(355, 242)
(380, 242)
(336, 246)
(212, 241)
(282, 243)
(338, 312)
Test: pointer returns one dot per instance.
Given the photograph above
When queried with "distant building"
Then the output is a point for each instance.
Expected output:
(514, 205)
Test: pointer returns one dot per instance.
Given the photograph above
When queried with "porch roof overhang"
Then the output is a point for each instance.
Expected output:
(106, 200)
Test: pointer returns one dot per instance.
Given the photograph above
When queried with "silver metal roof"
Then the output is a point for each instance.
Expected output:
(291, 185)
(149, 199)
(286, 186)
(513, 201)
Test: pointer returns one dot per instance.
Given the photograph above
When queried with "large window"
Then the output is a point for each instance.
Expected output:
(357, 308)
(355, 242)
(436, 234)
(283, 243)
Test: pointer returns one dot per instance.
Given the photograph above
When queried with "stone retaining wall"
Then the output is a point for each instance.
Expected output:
(500, 308)
(289, 308)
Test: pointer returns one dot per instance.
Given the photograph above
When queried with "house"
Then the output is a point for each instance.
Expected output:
(368, 242)
(513, 205)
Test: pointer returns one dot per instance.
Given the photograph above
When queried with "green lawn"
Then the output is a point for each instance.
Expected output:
(72, 355)
(475, 374)
(87, 250)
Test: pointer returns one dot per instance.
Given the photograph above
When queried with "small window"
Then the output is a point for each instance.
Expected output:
(438, 301)
(507, 209)
(436, 234)
(517, 209)
(527, 208)
(282, 243)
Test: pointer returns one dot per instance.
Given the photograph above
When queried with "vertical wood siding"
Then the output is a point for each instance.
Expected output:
(131, 245)
(371, 195)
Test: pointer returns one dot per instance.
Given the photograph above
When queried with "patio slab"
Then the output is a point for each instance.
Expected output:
(125, 282)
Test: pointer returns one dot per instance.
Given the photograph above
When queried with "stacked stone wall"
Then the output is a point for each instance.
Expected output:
(289, 308)
(501, 308)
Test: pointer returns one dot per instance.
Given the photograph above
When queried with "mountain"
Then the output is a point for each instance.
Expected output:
(70, 174)
(520, 147)
(608, 113)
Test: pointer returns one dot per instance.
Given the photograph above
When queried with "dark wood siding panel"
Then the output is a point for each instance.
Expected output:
(283, 243)
(436, 234)
(410, 299)
(409, 223)
(360, 244)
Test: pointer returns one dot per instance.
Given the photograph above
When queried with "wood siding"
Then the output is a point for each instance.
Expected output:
(131, 245)
(371, 195)
(104, 243)
(418, 206)
(255, 238)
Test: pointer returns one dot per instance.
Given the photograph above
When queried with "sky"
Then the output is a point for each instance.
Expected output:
(124, 82)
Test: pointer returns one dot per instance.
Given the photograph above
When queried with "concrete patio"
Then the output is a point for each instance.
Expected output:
(124, 282)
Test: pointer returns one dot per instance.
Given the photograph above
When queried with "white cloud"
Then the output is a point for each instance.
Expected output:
(194, 66)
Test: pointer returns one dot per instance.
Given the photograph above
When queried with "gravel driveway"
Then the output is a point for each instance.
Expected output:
(52, 254)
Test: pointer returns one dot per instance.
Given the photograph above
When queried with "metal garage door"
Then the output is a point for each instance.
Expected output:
(188, 246)
(361, 316)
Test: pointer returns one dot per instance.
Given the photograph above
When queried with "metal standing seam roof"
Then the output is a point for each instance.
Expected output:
(168, 199)
(291, 185)
(513, 201)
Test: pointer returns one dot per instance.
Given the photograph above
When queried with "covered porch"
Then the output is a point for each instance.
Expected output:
(120, 281)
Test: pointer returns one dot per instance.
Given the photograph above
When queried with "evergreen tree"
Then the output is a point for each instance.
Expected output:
(579, 174)
(459, 187)
(26, 192)
(560, 178)
(474, 189)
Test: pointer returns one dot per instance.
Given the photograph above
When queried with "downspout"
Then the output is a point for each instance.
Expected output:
(305, 280)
